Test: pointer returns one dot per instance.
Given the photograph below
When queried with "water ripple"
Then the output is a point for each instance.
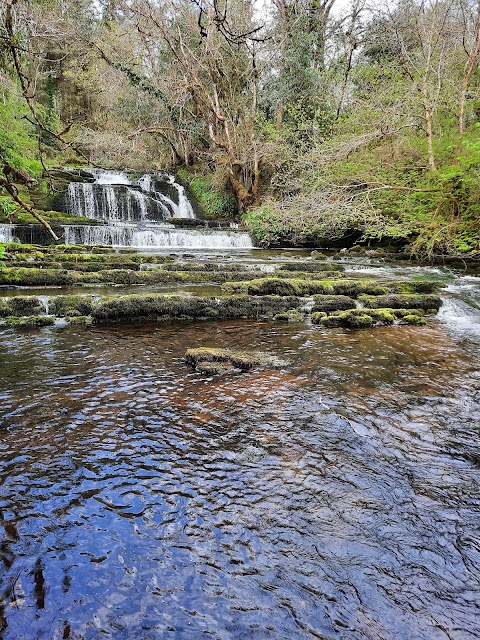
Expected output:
(335, 497)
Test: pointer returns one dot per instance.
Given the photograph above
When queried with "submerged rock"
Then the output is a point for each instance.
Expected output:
(357, 318)
(413, 319)
(213, 360)
(292, 315)
(83, 321)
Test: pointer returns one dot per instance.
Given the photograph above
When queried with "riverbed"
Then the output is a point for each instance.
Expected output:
(334, 495)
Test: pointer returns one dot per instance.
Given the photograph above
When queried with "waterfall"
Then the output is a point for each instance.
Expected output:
(135, 211)
(155, 237)
(6, 232)
(180, 209)
(184, 209)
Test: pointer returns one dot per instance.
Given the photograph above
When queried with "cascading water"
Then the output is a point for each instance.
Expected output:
(156, 236)
(7, 232)
(135, 213)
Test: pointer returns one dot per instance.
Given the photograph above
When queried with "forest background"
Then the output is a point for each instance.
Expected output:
(314, 121)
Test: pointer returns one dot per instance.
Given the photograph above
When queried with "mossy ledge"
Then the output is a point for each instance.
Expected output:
(214, 361)
(158, 307)
(71, 306)
(298, 287)
(34, 277)
(311, 267)
(21, 306)
(28, 322)
(87, 310)
(402, 301)
(362, 318)
(332, 303)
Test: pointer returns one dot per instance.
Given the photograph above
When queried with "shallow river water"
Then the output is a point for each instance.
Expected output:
(333, 496)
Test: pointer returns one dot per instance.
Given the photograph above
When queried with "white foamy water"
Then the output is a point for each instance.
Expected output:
(461, 306)
(6, 232)
(156, 237)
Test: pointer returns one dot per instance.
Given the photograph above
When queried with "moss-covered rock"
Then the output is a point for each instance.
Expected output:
(71, 306)
(402, 301)
(311, 267)
(318, 317)
(292, 315)
(21, 306)
(418, 286)
(238, 359)
(36, 277)
(29, 321)
(165, 307)
(356, 287)
(413, 319)
(83, 321)
(356, 318)
(332, 303)
(214, 368)
(285, 287)
(204, 266)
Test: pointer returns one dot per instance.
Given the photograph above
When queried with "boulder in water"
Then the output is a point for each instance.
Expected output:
(28, 322)
(292, 315)
(213, 360)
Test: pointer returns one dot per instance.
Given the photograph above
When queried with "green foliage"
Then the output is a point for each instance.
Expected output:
(7, 207)
(216, 205)
(18, 144)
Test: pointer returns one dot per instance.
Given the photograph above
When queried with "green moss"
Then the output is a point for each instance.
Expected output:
(306, 275)
(71, 305)
(356, 287)
(164, 307)
(21, 306)
(419, 286)
(238, 359)
(402, 301)
(332, 303)
(318, 317)
(213, 368)
(310, 267)
(356, 318)
(83, 321)
(204, 266)
(413, 319)
(29, 321)
(53, 217)
(284, 286)
(35, 277)
(292, 315)
(216, 205)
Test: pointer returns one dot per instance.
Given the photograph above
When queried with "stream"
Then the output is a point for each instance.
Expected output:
(334, 496)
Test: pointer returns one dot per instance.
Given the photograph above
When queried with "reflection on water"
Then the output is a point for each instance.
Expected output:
(336, 497)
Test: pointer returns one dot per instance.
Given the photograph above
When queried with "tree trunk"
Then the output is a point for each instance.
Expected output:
(470, 66)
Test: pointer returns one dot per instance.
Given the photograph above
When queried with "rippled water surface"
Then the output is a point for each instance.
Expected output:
(335, 496)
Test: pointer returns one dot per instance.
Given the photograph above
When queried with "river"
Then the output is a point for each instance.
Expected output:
(335, 495)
